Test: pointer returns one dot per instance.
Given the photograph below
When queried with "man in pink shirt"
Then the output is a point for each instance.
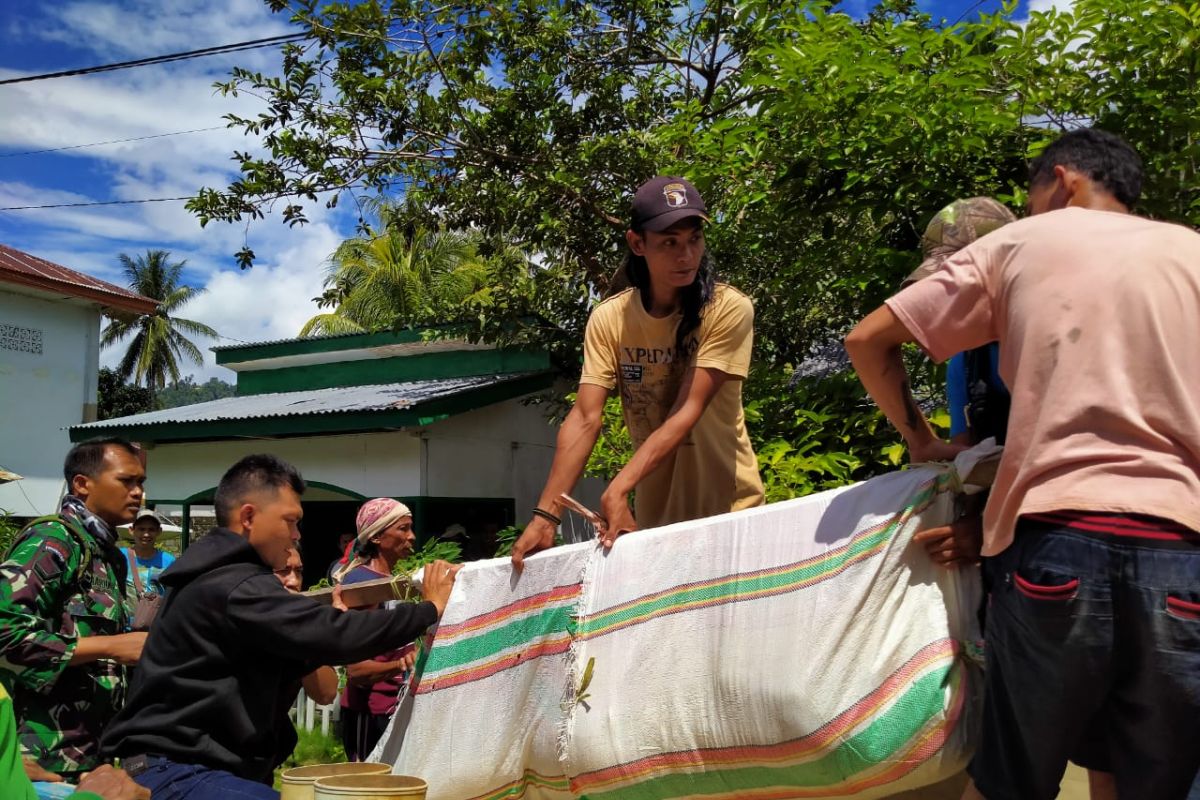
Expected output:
(1090, 533)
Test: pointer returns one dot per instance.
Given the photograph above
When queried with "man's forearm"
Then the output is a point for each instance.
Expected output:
(575, 441)
(89, 649)
(367, 673)
(881, 370)
(657, 447)
(321, 685)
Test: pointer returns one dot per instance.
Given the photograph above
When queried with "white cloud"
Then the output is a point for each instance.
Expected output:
(137, 28)
(270, 301)
(1042, 6)
(1046, 5)
(105, 222)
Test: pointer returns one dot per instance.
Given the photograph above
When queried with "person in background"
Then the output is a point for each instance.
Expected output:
(971, 378)
(63, 616)
(206, 716)
(321, 685)
(676, 345)
(150, 559)
(1092, 529)
(385, 535)
(976, 396)
(344, 555)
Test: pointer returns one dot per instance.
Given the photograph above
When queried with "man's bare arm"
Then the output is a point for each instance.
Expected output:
(700, 386)
(874, 349)
(576, 439)
(124, 648)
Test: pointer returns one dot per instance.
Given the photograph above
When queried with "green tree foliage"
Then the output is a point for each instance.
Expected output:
(408, 274)
(9, 528)
(1132, 67)
(186, 392)
(117, 398)
(159, 342)
(432, 550)
(823, 143)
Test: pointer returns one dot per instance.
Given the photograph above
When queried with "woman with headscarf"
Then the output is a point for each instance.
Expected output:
(385, 535)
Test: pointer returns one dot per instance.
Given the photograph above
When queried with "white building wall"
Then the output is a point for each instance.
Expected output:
(43, 393)
(374, 465)
(501, 451)
(504, 450)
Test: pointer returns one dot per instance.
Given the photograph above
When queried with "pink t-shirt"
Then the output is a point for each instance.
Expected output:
(1098, 318)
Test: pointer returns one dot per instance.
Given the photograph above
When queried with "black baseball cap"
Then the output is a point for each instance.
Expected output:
(661, 202)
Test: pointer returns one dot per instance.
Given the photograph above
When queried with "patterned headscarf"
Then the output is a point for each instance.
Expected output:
(377, 515)
(373, 518)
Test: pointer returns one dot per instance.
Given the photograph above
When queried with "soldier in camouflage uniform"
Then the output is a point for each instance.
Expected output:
(63, 649)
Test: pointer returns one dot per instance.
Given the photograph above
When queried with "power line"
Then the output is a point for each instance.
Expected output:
(164, 59)
(110, 141)
(96, 203)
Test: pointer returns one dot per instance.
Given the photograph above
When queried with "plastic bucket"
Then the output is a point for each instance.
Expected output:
(371, 787)
(297, 783)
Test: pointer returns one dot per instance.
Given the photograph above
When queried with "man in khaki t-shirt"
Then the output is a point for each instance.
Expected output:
(1091, 529)
(713, 470)
(677, 345)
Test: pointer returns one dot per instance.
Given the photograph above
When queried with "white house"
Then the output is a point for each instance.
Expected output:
(443, 425)
(49, 360)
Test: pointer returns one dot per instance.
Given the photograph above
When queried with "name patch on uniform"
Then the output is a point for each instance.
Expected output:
(51, 559)
(631, 373)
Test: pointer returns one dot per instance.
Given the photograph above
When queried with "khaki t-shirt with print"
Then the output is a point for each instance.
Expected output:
(714, 470)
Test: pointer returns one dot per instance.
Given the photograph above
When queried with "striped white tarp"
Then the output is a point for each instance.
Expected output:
(802, 649)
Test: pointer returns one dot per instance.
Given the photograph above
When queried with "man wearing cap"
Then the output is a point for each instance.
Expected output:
(150, 561)
(676, 345)
(976, 395)
(385, 535)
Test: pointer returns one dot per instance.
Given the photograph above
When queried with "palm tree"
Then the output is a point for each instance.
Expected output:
(158, 342)
(406, 277)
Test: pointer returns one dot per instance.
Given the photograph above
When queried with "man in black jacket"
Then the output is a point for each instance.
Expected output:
(207, 717)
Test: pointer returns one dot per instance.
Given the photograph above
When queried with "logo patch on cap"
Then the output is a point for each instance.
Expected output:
(676, 195)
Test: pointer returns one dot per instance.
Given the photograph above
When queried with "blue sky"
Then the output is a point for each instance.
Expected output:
(274, 298)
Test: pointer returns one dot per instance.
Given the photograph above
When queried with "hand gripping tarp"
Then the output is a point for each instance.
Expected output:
(801, 649)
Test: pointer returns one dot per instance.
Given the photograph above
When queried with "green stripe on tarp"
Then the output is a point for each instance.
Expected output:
(516, 634)
(530, 779)
(857, 548)
(877, 743)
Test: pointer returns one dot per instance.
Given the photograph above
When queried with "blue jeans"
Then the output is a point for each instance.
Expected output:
(1093, 655)
(168, 780)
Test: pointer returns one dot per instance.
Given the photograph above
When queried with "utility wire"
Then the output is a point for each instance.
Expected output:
(164, 59)
(110, 141)
(96, 203)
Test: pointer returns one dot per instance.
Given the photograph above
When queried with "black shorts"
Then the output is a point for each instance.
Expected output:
(1093, 655)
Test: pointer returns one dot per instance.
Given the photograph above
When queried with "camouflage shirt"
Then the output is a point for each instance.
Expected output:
(55, 586)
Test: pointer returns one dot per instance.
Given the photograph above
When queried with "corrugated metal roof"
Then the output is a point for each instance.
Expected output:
(226, 348)
(380, 397)
(29, 270)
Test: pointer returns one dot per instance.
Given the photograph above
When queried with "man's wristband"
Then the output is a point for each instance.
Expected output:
(546, 515)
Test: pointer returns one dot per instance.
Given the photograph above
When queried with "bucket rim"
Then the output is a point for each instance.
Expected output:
(309, 773)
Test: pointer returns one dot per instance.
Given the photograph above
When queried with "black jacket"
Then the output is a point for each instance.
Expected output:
(220, 667)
